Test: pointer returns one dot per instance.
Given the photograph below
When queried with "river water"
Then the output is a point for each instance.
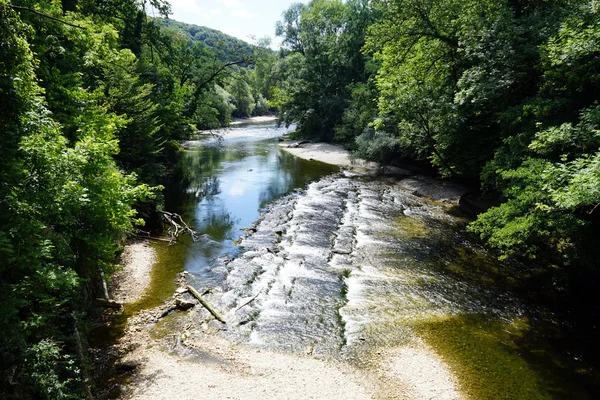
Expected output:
(319, 261)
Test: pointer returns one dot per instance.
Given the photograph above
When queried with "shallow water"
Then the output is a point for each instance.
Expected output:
(334, 265)
(226, 180)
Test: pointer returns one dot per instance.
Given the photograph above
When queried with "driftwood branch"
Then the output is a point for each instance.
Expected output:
(31, 10)
(249, 301)
(179, 227)
(197, 295)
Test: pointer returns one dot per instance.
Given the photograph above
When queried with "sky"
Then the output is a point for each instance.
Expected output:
(239, 18)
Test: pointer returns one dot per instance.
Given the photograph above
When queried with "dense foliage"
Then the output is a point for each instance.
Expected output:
(240, 92)
(227, 48)
(315, 80)
(96, 97)
(502, 92)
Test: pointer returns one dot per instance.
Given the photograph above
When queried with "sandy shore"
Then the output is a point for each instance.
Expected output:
(194, 364)
(327, 153)
(432, 188)
(184, 356)
(264, 118)
(422, 371)
(218, 369)
(129, 284)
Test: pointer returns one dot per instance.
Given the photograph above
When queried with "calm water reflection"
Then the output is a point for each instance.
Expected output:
(224, 182)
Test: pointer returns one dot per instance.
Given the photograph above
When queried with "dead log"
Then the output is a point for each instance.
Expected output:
(104, 285)
(108, 303)
(197, 295)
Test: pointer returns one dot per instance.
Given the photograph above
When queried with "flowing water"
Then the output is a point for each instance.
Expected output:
(329, 263)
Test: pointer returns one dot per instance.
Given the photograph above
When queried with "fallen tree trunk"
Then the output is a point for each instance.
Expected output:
(108, 303)
(197, 295)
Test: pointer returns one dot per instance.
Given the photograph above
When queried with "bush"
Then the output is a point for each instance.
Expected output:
(381, 147)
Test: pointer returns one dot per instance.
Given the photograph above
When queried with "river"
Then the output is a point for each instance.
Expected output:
(313, 260)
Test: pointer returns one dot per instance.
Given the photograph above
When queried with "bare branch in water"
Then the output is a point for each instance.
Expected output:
(178, 227)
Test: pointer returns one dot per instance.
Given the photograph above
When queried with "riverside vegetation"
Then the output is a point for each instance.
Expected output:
(97, 96)
(95, 99)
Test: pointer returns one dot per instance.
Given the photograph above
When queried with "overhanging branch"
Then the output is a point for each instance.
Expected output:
(217, 72)
(31, 10)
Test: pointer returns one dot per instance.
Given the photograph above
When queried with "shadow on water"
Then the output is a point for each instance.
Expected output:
(523, 350)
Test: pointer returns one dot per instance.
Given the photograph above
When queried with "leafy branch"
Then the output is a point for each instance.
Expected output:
(62, 21)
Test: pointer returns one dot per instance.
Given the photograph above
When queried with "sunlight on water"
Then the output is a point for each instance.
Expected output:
(227, 178)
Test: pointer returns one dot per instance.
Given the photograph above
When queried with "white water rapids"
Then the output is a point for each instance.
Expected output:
(347, 262)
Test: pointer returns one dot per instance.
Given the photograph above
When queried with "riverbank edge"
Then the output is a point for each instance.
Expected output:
(434, 189)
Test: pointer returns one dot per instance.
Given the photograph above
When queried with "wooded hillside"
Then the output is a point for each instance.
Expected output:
(228, 48)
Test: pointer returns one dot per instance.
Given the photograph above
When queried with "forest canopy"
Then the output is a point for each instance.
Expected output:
(96, 97)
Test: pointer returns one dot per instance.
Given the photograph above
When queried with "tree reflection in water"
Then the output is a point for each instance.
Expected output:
(221, 186)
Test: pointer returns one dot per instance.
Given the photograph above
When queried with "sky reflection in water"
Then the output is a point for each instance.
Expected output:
(228, 179)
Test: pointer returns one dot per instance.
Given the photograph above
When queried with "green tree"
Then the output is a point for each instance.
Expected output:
(65, 206)
(550, 177)
(325, 39)
(241, 93)
(433, 56)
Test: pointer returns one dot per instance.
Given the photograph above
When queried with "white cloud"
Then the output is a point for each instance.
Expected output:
(232, 4)
(186, 6)
(239, 18)
(243, 13)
